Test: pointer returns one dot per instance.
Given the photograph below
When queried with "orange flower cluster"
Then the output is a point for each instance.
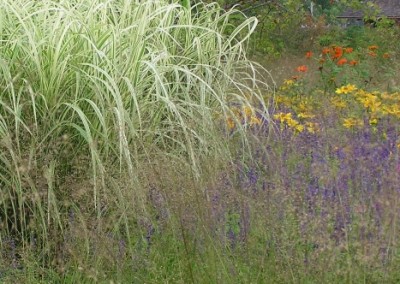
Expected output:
(326, 50)
(342, 61)
(340, 56)
(336, 54)
(348, 50)
(302, 68)
(353, 62)
(372, 47)
(372, 51)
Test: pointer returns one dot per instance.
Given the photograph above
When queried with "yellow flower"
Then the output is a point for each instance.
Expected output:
(292, 122)
(278, 116)
(396, 96)
(373, 121)
(299, 128)
(348, 123)
(360, 93)
(283, 100)
(346, 89)
(391, 109)
(282, 117)
(255, 121)
(248, 111)
(288, 82)
(303, 107)
(370, 101)
(338, 102)
(311, 127)
(288, 116)
(352, 122)
(230, 123)
(386, 96)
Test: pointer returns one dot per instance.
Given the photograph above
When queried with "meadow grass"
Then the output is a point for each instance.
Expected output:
(140, 145)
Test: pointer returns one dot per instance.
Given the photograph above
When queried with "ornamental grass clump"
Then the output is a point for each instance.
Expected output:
(90, 89)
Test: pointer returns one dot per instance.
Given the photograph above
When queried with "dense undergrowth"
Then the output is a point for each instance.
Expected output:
(140, 145)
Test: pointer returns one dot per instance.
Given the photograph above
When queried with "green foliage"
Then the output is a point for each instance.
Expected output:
(232, 224)
(285, 25)
(326, 39)
(186, 3)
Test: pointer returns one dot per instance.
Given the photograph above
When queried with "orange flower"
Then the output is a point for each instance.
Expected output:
(309, 54)
(348, 50)
(302, 68)
(372, 54)
(326, 50)
(338, 52)
(342, 61)
(372, 47)
(386, 55)
(353, 62)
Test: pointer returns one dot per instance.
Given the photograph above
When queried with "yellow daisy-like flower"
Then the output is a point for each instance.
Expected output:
(373, 121)
(361, 93)
(371, 102)
(292, 122)
(346, 89)
(289, 82)
(352, 122)
(395, 96)
(299, 128)
(304, 107)
(283, 100)
(311, 127)
(282, 117)
(255, 121)
(338, 102)
(230, 123)
(391, 109)
(248, 111)
(386, 96)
